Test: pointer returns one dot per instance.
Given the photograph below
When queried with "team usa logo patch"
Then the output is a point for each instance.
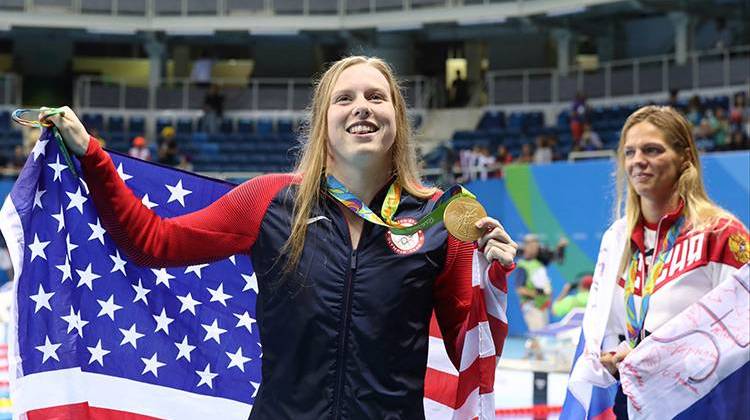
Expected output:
(740, 248)
(405, 244)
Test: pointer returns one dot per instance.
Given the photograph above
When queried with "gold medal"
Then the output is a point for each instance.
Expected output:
(460, 217)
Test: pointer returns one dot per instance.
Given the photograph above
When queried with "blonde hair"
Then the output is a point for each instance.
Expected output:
(699, 211)
(311, 164)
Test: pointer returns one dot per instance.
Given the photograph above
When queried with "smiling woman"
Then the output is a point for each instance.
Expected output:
(344, 314)
(670, 247)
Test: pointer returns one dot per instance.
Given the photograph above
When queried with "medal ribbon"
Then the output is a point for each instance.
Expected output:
(634, 322)
(390, 205)
(17, 117)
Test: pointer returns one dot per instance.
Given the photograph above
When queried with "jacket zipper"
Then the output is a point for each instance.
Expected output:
(342, 340)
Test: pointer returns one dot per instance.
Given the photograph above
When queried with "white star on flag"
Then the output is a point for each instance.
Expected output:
(141, 292)
(237, 359)
(162, 276)
(184, 349)
(148, 203)
(97, 232)
(122, 174)
(60, 217)
(218, 295)
(119, 263)
(37, 248)
(87, 277)
(196, 269)
(76, 200)
(213, 331)
(69, 245)
(42, 299)
(97, 353)
(40, 148)
(177, 193)
(108, 307)
(65, 268)
(255, 385)
(162, 321)
(48, 350)
(245, 321)
(251, 283)
(152, 365)
(38, 198)
(131, 336)
(188, 303)
(74, 321)
(206, 376)
(58, 168)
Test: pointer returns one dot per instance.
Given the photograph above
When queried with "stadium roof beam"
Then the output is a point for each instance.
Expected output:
(409, 18)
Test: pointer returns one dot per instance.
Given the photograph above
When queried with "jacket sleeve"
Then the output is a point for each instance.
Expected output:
(470, 302)
(226, 227)
(728, 249)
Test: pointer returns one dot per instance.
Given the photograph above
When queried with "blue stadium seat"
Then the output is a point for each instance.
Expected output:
(4, 121)
(227, 125)
(184, 125)
(136, 125)
(264, 126)
(93, 121)
(245, 126)
(492, 120)
(284, 126)
(116, 124)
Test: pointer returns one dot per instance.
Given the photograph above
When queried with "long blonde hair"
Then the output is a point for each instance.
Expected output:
(699, 211)
(311, 164)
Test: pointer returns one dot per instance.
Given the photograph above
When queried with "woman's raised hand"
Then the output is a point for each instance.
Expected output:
(72, 130)
(496, 243)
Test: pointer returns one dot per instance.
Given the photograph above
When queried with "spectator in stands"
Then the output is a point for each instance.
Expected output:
(140, 149)
(485, 163)
(167, 132)
(673, 100)
(694, 112)
(213, 109)
(460, 90)
(579, 114)
(573, 295)
(720, 126)
(503, 156)
(200, 75)
(704, 135)
(739, 113)
(169, 153)
(527, 154)
(590, 139)
(543, 152)
(738, 141)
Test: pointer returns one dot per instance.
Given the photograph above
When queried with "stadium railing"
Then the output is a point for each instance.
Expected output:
(632, 77)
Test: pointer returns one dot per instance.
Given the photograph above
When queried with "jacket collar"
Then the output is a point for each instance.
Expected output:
(666, 222)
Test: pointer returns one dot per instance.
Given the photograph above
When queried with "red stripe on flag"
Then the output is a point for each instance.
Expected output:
(451, 390)
(82, 411)
(499, 331)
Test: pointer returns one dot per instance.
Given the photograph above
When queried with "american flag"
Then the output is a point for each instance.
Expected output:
(96, 336)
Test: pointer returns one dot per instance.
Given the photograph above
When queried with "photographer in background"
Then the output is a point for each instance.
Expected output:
(532, 281)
